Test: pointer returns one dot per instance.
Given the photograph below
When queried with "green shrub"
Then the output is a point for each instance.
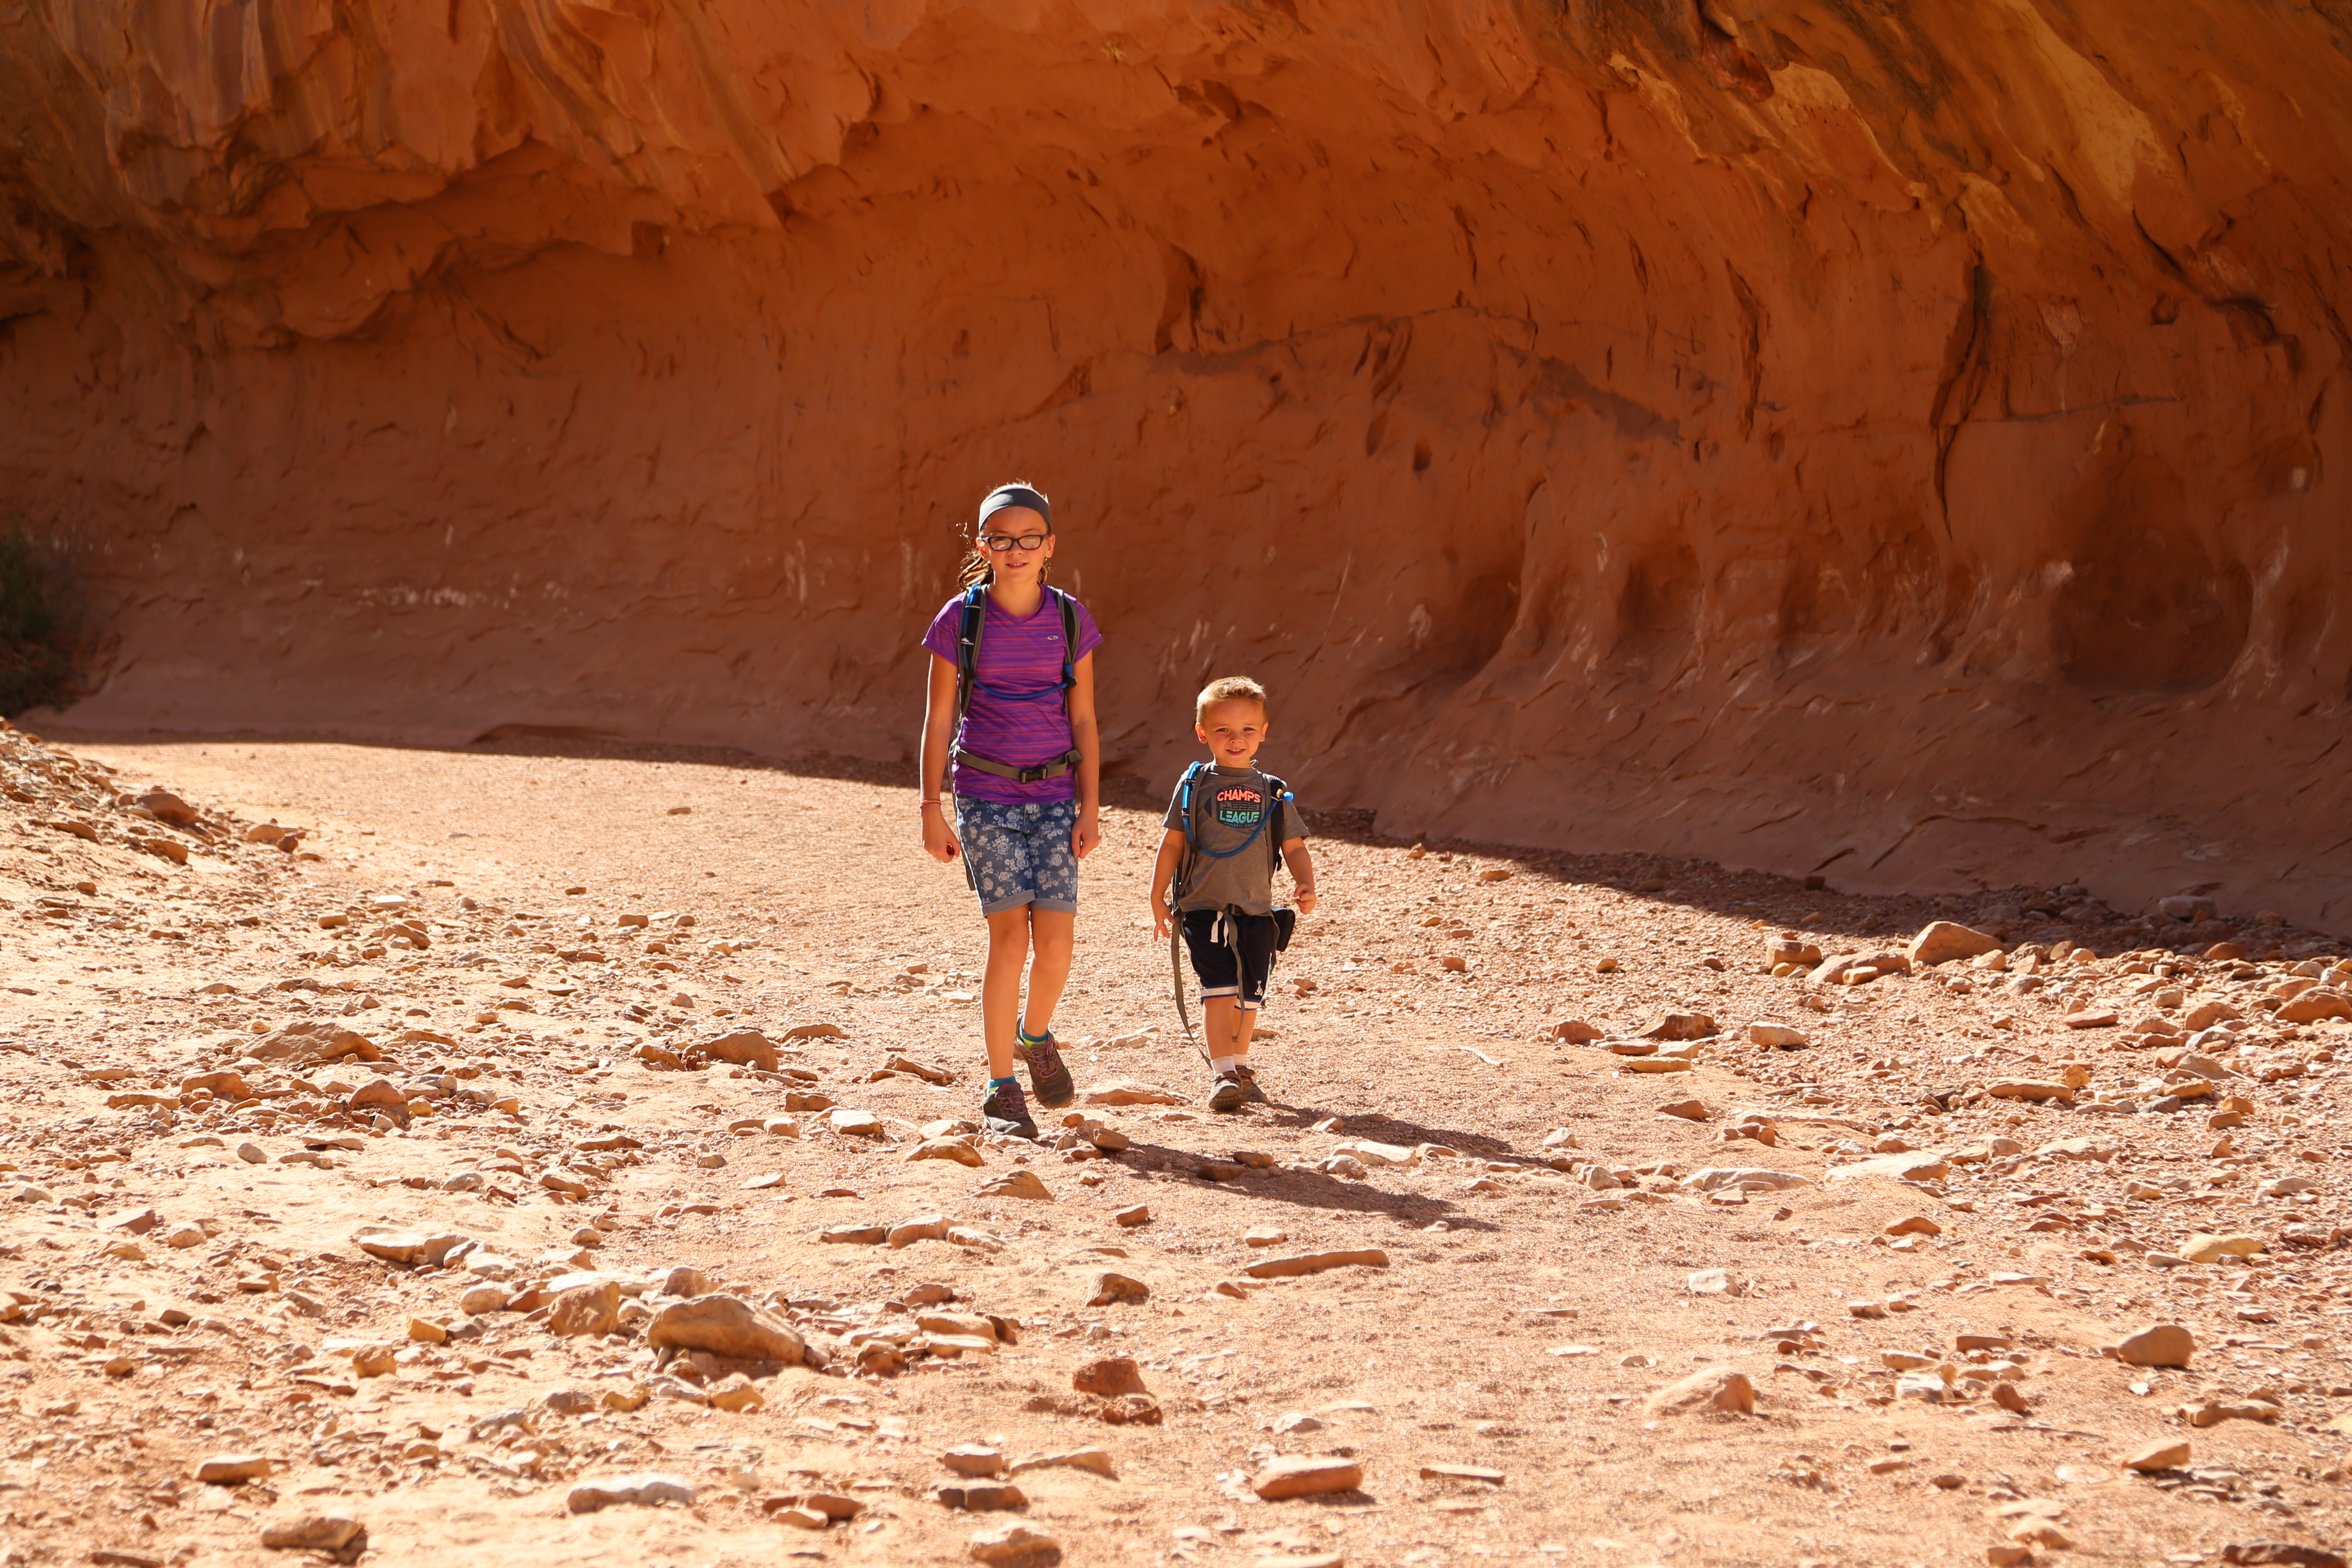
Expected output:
(34, 666)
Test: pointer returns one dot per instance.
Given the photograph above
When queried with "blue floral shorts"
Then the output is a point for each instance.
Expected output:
(1016, 855)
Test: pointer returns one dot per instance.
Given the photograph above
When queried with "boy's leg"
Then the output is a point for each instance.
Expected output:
(1255, 942)
(1213, 964)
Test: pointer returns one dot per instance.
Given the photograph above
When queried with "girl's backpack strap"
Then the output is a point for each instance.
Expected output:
(1070, 638)
(975, 615)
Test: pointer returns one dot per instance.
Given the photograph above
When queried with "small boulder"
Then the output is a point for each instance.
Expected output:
(1017, 1184)
(1111, 1376)
(1110, 1288)
(312, 1532)
(1710, 1389)
(1008, 1541)
(727, 1326)
(2164, 1453)
(230, 1469)
(1941, 942)
(745, 1047)
(2204, 1248)
(644, 1491)
(1306, 1474)
(586, 1309)
(2161, 1344)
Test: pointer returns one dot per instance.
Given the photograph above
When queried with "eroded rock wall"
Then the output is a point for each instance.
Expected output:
(1902, 441)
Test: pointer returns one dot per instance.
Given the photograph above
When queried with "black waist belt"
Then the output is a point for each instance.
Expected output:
(1052, 769)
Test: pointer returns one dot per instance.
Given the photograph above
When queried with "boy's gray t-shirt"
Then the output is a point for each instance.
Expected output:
(1226, 806)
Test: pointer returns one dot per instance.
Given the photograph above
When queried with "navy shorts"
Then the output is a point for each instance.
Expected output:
(1019, 854)
(1232, 955)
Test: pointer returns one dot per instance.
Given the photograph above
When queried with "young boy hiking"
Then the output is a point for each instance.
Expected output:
(1228, 825)
(1012, 705)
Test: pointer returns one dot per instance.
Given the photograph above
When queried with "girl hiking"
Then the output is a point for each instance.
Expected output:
(1012, 706)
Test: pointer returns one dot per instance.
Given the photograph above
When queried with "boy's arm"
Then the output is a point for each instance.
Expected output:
(1164, 871)
(1302, 872)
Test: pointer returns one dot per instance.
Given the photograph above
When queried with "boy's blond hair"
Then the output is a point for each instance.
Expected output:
(1227, 688)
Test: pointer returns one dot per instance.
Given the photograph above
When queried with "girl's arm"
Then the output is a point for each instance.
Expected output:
(939, 736)
(1302, 873)
(1083, 735)
(1171, 854)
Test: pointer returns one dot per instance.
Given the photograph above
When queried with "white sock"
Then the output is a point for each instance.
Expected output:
(1224, 1064)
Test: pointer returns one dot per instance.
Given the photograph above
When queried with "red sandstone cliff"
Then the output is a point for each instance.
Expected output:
(1904, 440)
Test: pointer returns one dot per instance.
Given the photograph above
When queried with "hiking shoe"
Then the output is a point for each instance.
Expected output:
(1005, 1113)
(1227, 1093)
(1250, 1090)
(1049, 1075)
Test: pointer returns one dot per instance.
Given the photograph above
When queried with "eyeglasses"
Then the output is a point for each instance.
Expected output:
(1000, 543)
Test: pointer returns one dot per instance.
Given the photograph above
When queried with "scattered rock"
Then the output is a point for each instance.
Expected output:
(1316, 1263)
(974, 1459)
(2204, 1248)
(1306, 1476)
(2028, 1089)
(922, 1227)
(1017, 1184)
(2164, 1453)
(1777, 1035)
(736, 1393)
(857, 1123)
(230, 1469)
(2161, 1344)
(960, 1150)
(312, 1532)
(586, 1309)
(1713, 1388)
(2285, 1552)
(1918, 1165)
(1131, 1091)
(1941, 942)
(409, 1246)
(644, 1491)
(1140, 1214)
(1095, 1460)
(745, 1047)
(1109, 1290)
(1111, 1375)
(1008, 1541)
(984, 1498)
(726, 1326)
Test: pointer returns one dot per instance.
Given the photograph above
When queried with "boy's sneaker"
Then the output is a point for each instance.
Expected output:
(1227, 1093)
(1048, 1074)
(1005, 1111)
(1250, 1090)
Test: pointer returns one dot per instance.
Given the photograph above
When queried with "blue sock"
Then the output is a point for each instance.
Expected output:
(997, 1083)
(1029, 1039)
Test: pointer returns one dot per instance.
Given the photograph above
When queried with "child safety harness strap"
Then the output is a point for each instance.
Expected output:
(974, 618)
